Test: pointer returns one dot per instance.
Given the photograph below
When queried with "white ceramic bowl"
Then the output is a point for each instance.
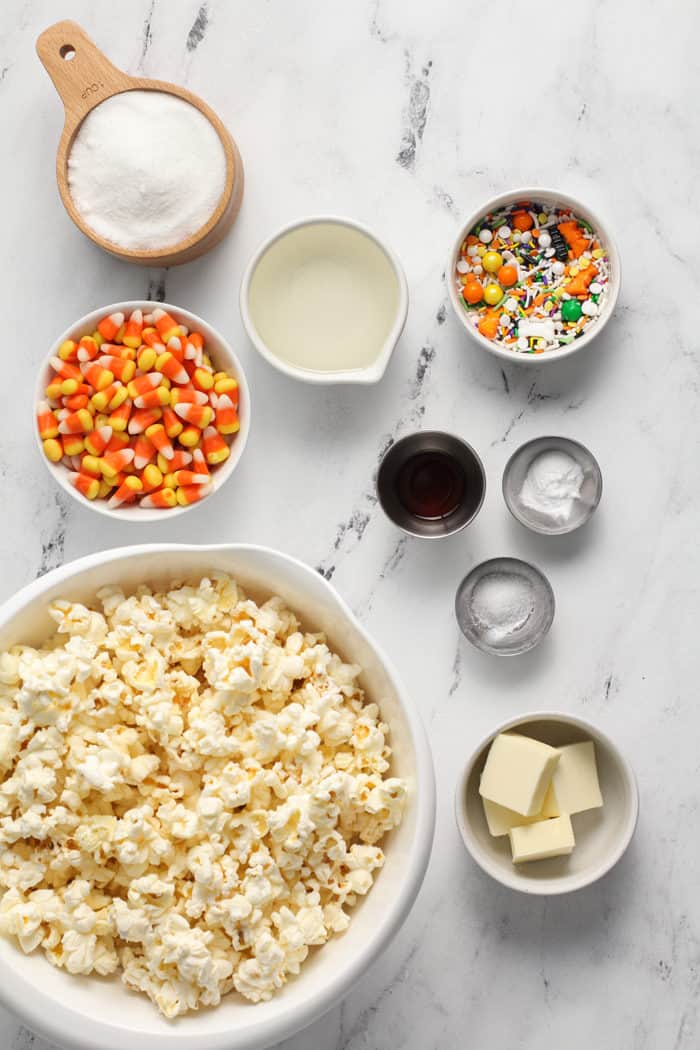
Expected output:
(283, 241)
(222, 357)
(602, 835)
(81, 1013)
(550, 197)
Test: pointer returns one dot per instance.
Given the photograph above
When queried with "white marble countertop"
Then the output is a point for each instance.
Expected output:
(407, 116)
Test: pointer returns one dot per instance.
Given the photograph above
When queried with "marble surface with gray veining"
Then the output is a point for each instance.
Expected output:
(406, 116)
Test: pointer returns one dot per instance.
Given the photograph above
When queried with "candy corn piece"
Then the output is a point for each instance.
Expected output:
(143, 418)
(46, 421)
(172, 424)
(87, 349)
(68, 350)
(86, 486)
(90, 465)
(189, 477)
(144, 452)
(190, 436)
(194, 344)
(96, 442)
(176, 346)
(72, 444)
(196, 415)
(76, 401)
(66, 369)
(187, 395)
(199, 463)
(117, 441)
(214, 447)
(156, 398)
(59, 388)
(142, 384)
(120, 417)
(127, 492)
(109, 326)
(113, 462)
(53, 449)
(169, 365)
(203, 379)
(189, 494)
(146, 358)
(167, 327)
(79, 422)
(97, 375)
(133, 330)
(151, 478)
(121, 367)
(158, 437)
(180, 459)
(225, 384)
(226, 416)
(163, 498)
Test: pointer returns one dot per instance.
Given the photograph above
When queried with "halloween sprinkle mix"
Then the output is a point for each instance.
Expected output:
(532, 277)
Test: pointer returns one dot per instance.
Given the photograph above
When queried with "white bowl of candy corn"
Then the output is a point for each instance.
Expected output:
(142, 409)
(533, 276)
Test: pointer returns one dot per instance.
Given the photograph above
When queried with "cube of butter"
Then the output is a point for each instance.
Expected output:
(575, 780)
(517, 773)
(500, 820)
(546, 838)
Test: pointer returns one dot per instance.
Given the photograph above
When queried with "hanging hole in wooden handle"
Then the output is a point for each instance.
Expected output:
(82, 75)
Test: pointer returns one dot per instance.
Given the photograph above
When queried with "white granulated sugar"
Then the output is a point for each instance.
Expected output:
(146, 170)
(501, 603)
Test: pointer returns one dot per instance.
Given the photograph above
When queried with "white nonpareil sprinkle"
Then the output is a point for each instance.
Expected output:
(146, 170)
(501, 604)
(552, 485)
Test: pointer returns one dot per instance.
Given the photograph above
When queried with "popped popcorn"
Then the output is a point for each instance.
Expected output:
(194, 792)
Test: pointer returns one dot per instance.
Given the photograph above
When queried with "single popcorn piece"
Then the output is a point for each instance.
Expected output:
(194, 792)
(517, 773)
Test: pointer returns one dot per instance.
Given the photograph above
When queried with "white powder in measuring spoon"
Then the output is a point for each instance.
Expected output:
(552, 485)
(146, 170)
(501, 603)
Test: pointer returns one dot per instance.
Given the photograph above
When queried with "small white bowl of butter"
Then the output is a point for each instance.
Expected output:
(567, 803)
(325, 300)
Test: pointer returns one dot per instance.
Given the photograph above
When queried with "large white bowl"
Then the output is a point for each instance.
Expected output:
(222, 357)
(82, 1013)
(550, 197)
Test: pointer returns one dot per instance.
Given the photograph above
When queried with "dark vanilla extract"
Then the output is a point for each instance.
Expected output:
(431, 484)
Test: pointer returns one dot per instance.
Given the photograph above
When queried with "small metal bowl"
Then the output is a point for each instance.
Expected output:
(516, 470)
(431, 441)
(526, 636)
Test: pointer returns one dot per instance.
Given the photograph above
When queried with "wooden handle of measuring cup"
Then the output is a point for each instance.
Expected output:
(81, 74)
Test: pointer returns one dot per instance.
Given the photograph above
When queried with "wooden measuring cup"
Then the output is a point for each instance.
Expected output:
(84, 78)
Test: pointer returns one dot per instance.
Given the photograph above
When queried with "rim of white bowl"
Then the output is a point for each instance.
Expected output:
(372, 373)
(137, 514)
(558, 884)
(553, 196)
(61, 1023)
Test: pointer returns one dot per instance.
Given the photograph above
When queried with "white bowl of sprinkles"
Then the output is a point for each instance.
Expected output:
(514, 306)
